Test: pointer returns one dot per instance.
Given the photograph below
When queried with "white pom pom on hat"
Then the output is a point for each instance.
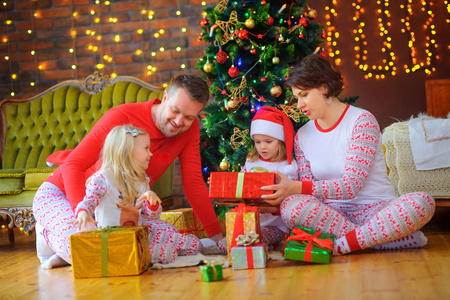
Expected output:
(275, 123)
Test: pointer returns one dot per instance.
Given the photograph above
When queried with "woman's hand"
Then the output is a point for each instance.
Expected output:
(82, 221)
(151, 197)
(284, 188)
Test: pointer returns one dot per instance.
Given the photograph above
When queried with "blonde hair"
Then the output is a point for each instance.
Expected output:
(280, 156)
(118, 158)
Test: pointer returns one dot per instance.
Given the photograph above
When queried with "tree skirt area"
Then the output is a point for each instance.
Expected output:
(212, 254)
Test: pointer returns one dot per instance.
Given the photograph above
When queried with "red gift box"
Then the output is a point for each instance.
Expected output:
(230, 188)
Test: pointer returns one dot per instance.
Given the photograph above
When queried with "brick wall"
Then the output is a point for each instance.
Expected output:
(61, 25)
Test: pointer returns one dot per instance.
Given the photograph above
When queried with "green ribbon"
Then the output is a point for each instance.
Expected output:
(240, 185)
(104, 244)
(104, 254)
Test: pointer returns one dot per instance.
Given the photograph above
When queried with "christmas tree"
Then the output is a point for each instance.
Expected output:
(252, 46)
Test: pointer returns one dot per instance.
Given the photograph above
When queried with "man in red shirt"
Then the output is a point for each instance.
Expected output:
(174, 132)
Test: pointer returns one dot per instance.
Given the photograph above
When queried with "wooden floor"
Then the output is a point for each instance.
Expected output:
(402, 274)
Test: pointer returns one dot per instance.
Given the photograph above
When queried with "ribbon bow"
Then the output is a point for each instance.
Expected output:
(300, 235)
(133, 132)
(213, 265)
(247, 239)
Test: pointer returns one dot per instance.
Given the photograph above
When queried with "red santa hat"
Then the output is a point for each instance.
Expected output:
(275, 123)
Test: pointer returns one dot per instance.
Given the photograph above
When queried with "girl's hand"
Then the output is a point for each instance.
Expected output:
(83, 220)
(284, 188)
(151, 197)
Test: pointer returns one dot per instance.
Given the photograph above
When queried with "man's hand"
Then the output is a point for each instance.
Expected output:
(284, 188)
(217, 237)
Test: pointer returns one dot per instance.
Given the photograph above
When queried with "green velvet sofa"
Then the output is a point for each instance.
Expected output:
(58, 119)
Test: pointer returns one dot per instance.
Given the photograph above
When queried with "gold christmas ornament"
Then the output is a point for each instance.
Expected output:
(232, 104)
(312, 14)
(249, 23)
(276, 91)
(291, 111)
(238, 138)
(275, 60)
(208, 67)
(224, 164)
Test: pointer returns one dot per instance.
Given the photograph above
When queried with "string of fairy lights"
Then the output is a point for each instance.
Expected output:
(374, 62)
(386, 58)
(97, 42)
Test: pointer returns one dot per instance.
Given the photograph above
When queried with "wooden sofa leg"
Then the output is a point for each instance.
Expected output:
(11, 235)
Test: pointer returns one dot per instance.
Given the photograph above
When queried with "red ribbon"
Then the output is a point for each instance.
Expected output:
(240, 210)
(196, 229)
(250, 257)
(300, 235)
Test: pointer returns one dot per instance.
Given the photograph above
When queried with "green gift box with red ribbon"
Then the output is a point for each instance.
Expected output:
(309, 245)
(231, 188)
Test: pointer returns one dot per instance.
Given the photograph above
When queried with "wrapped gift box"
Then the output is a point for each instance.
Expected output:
(111, 251)
(309, 245)
(185, 220)
(211, 272)
(230, 188)
(249, 220)
(249, 257)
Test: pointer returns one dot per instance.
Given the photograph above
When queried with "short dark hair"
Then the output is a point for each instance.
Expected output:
(194, 86)
(313, 72)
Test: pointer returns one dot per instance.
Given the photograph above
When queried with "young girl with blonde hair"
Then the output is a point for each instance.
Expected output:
(119, 195)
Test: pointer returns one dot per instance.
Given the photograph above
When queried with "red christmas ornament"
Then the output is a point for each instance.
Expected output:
(252, 110)
(269, 21)
(324, 36)
(253, 51)
(301, 35)
(200, 37)
(221, 56)
(303, 21)
(242, 34)
(263, 79)
(233, 71)
(263, 2)
(203, 22)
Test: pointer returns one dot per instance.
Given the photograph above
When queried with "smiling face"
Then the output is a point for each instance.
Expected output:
(311, 102)
(176, 112)
(141, 151)
(266, 146)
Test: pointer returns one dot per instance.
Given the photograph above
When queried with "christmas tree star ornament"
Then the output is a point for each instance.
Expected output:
(238, 138)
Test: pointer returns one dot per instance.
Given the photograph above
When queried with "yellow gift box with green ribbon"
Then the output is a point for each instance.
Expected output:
(231, 188)
(185, 221)
(110, 251)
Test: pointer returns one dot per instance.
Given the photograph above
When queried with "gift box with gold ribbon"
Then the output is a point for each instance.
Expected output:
(309, 245)
(185, 220)
(241, 220)
(230, 188)
(110, 251)
(211, 271)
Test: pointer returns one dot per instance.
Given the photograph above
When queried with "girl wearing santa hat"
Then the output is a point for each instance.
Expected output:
(344, 189)
(273, 136)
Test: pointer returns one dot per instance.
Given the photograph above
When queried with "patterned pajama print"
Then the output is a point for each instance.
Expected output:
(351, 210)
(374, 224)
(52, 211)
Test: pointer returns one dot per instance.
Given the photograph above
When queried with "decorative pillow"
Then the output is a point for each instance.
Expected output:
(11, 181)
